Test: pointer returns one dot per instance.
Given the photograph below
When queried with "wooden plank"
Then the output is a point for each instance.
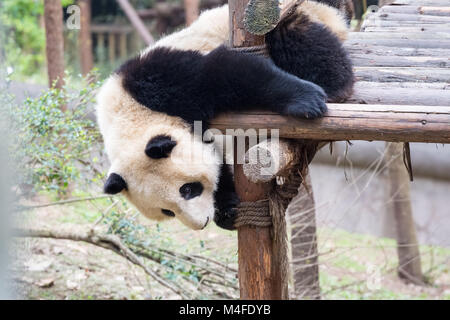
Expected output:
(373, 60)
(402, 43)
(411, 28)
(383, 23)
(396, 95)
(431, 3)
(399, 17)
(425, 10)
(375, 49)
(435, 34)
(381, 74)
(111, 28)
(411, 85)
(352, 122)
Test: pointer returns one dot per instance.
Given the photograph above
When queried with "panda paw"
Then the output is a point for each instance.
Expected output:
(308, 103)
(225, 218)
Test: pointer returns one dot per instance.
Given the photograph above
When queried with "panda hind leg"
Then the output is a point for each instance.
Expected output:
(226, 199)
(312, 52)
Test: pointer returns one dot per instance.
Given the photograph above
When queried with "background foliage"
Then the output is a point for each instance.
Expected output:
(47, 144)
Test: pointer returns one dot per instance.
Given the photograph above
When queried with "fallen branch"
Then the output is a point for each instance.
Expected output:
(110, 242)
(57, 203)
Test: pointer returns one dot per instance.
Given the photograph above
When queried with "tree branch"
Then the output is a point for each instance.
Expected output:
(23, 208)
(110, 242)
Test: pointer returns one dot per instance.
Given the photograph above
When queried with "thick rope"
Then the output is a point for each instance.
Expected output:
(254, 50)
(254, 214)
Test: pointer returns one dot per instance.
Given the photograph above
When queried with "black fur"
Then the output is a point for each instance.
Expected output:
(159, 147)
(191, 190)
(226, 199)
(114, 184)
(189, 85)
(312, 52)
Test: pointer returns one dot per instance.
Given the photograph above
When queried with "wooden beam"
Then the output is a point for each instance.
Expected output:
(423, 28)
(434, 3)
(394, 74)
(352, 122)
(434, 34)
(278, 156)
(382, 23)
(427, 10)
(380, 50)
(403, 43)
(400, 17)
(136, 21)
(386, 60)
(401, 93)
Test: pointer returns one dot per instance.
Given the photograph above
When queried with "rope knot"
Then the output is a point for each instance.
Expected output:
(254, 214)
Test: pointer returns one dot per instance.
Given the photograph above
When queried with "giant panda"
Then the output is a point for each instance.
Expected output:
(146, 109)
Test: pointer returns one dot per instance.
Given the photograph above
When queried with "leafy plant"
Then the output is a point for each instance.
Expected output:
(25, 34)
(46, 143)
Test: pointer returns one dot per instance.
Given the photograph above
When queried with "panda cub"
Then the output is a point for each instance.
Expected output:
(147, 108)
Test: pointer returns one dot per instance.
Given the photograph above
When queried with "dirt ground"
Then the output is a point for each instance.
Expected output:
(351, 266)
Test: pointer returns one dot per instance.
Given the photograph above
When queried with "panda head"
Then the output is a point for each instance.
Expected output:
(157, 162)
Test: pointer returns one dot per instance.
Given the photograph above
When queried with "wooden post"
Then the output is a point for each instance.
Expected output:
(112, 48)
(53, 18)
(191, 9)
(85, 38)
(239, 37)
(123, 46)
(399, 205)
(304, 251)
(259, 277)
(101, 47)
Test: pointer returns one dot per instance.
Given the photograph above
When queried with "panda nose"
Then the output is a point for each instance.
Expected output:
(191, 190)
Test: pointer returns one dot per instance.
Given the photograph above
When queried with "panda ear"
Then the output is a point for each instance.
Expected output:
(160, 147)
(114, 184)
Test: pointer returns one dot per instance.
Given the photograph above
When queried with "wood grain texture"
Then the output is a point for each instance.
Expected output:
(268, 159)
(426, 10)
(352, 122)
(259, 272)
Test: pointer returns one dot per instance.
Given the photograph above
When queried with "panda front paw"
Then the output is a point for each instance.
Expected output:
(308, 102)
(225, 218)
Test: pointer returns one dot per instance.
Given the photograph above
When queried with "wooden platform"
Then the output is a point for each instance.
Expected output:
(402, 65)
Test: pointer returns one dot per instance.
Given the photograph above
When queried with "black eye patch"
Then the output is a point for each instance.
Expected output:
(168, 213)
(160, 147)
(191, 190)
